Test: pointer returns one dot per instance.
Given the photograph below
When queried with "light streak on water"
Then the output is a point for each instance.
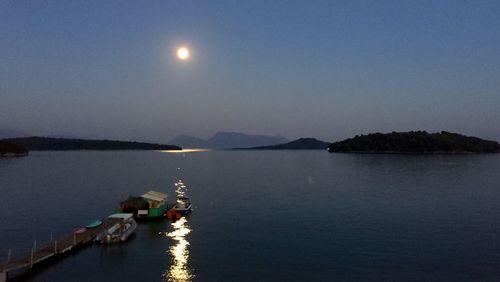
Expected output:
(184, 151)
(179, 270)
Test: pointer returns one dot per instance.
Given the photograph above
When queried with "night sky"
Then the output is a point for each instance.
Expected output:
(325, 69)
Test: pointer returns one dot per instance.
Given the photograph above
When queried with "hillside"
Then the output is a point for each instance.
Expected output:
(228, 140)
(299, 144)
(62, 144)
(415, 142)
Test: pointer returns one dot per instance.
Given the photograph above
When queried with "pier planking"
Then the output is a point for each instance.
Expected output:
(62, 245)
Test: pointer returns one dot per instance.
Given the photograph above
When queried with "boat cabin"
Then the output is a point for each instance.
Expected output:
(123, 216)
(157, 204)
(184, 200)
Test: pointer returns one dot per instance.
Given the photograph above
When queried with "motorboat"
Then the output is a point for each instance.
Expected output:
(183, 205)
(120, 231)
(94, 224)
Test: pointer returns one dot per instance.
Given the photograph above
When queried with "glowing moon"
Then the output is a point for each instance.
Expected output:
(183, 53)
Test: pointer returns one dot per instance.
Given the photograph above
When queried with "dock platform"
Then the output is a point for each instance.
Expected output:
(60, 246)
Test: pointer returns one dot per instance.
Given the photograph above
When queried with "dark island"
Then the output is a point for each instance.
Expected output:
(8, 149)
(415, 142)
(63, 144)
(299, 144)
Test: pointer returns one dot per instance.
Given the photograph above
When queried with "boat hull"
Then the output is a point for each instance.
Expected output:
(119, 232)
(183, 209)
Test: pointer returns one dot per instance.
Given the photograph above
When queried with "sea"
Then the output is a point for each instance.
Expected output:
(261, 215)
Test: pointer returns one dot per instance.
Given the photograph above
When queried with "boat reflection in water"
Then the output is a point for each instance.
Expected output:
(179, 269)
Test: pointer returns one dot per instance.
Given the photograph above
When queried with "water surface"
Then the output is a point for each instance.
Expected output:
(263, 215)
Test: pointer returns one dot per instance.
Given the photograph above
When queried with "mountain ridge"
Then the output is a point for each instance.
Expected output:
(228, 140)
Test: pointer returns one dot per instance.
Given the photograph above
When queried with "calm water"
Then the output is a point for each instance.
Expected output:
(263, 216)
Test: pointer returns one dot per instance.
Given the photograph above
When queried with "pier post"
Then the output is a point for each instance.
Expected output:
(55, 247)
(3, 276)
(34, 245)
(5, 265)
(31, 259)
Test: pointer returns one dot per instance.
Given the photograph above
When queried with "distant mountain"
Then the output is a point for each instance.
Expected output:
(415, 142)
(299, 144)
(228, 140)
(6, 133)
(186, 141)
(61, 144)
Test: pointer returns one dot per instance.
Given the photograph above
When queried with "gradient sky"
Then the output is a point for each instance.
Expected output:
(325, 69)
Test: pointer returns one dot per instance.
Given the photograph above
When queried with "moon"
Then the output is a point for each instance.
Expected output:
(183, 53)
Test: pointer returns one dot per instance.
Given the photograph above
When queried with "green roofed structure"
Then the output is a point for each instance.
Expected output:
(157, 205)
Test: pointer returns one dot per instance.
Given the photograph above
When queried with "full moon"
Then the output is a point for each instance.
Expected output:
(183, 53)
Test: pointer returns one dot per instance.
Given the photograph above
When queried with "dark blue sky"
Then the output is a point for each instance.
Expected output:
(327, 69)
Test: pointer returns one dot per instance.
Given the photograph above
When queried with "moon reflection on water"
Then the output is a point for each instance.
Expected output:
(179, 270)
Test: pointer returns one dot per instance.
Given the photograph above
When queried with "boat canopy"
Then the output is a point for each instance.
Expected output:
(123, 216)
(155, 196)
(183, 199)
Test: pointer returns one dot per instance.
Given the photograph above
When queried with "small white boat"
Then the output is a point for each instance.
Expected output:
(183, 205)
(120, 231)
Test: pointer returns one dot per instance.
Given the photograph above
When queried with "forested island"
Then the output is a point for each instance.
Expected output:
(299, 144)
(415, 142)
(63, 144)
(12, 149)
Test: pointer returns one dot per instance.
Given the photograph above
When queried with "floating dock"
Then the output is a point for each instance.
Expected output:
(60, 246)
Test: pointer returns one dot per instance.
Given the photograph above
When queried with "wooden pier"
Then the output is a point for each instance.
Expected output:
(60, 246)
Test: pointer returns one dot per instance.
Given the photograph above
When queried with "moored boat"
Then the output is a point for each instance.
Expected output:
(93, 224)
(183, 205)
(120, 231)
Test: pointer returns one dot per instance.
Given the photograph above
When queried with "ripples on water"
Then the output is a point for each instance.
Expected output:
(179, 270)
(287, 216)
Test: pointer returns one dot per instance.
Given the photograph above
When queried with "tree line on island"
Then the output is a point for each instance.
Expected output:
(299, 144)
(414, 142)
(63, 144)
(418, 142)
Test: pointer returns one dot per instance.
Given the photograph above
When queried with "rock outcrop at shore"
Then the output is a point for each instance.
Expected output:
(12, 149)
